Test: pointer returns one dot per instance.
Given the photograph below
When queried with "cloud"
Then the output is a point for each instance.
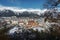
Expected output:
(17, 9)
(15, 2)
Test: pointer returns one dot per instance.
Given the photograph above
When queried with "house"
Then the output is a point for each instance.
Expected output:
(32, 23)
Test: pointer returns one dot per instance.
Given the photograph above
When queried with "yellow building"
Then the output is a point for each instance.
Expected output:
(32, 23)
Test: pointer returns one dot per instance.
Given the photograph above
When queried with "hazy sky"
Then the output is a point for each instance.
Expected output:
(23, 3)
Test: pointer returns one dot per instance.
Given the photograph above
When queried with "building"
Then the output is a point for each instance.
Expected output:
(32, 23)
(14, 22)
(21, 23)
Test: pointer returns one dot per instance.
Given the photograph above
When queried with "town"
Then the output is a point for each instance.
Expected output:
(25, 22)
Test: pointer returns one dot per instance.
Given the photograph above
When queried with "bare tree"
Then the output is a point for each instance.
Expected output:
(51, 4)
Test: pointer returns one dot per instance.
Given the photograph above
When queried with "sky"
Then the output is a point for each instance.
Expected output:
(23, 3)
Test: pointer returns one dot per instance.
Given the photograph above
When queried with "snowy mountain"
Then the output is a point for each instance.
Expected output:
(8, 12)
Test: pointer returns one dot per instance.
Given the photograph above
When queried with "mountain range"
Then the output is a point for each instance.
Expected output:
(9, 13)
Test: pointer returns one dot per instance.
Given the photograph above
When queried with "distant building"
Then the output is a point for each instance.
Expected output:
(14, 22)
(21, 23)
(32, 23)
